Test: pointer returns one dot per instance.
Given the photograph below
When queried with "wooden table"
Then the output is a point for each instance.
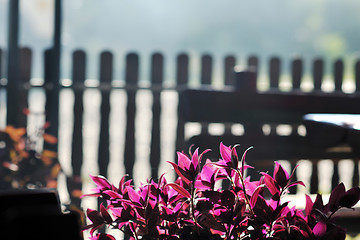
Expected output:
(331, 130)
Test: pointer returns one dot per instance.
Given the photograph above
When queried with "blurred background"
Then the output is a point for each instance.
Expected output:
(325, 28)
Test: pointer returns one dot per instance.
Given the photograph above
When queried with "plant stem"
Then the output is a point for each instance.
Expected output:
(247, 200)
(192, 207)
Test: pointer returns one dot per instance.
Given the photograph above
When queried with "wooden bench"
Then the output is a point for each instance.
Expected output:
(244, 105)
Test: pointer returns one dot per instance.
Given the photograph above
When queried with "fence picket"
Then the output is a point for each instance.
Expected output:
(356, 176)
(16, 90)
(296, 71)
(335, 176)
(52, 87)
(274, 72)
(78, 76)
(338, 80)
(1, 63)
(253, 62)
(229, 64)
(24, 84)
(157, 67)
(206, 79)
(314, 178)
(106, 71)
(206, 69)
(338, 74)
(318, 73)
(131, 78)
(182, 79)
(357, 76)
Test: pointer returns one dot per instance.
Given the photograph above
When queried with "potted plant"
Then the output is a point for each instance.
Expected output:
(193, 207)
(22, 164)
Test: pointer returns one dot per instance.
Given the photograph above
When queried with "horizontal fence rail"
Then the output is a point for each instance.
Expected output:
(17, 100)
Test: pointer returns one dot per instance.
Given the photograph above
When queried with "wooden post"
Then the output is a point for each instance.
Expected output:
(74, 183)
(157, 68)
(52, 78)
(229, 65)
(131, 78)
(182, 78)
(106, 70)
(318, 73)
(206, 79)
(13, 64)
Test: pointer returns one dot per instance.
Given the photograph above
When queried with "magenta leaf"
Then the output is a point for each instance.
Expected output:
(255, 195)
(181, 173)
(243, 161)
(105, 214)
(183, 161)
(280, 175)
(350, 198)
(179, 189)
(112, 194)
(195, 159)
(227, 198)
(101, 182)
(295, 183)
(234, 157)
(133, 195)
(319, 229)
(270, 184)
(225, 152)
(336, 195)
(309, 205)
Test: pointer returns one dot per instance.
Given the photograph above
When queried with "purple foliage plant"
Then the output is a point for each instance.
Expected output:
(194, 208)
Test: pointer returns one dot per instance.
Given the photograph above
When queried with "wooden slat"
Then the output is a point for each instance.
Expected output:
(78, 77)
(52, 87)
(182, 78)
(229, 64)
(182, 70)
(357, 75)
(74, 183)
(106, 71)
(206, 69)
(338, 74)
(355, 179)
(1, 63)
(253, 64)
(16, 89)
(24, 84)
(296, 71)
(131, 78)
(206, 79)
(335, 176)
(314, 178)
(269, 107)
(157, 68)
(12, 64)
(274, 72)
(274, 78)
(318, 73)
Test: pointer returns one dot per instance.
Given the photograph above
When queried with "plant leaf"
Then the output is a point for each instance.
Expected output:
(179, 189)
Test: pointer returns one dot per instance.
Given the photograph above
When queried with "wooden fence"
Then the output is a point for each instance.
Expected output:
(19, 96)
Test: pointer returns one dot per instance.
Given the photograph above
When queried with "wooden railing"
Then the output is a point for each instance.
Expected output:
(17, 99)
